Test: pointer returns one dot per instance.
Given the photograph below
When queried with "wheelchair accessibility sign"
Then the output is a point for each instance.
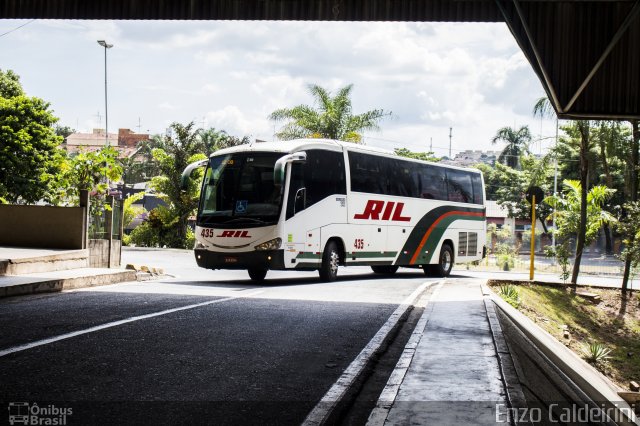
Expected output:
(241, 206)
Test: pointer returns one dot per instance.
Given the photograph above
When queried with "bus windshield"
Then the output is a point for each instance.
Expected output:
(238, 189)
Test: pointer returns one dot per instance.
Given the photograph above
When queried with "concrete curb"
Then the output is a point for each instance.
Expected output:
(70, 259)
(45, 285)
(551, 283)
(590, 381)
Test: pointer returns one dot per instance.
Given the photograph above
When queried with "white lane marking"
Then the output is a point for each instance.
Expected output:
(323, 409)
(388, 395)
(65, 336)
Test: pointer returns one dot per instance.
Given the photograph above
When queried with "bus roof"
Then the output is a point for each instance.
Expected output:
(296, 145)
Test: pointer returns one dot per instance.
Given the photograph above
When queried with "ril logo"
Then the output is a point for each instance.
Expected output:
(389, 210)
(234, 234)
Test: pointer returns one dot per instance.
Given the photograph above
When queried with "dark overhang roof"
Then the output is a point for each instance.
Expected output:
(585, 52)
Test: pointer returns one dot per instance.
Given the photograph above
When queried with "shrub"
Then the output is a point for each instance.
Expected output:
(510, 294)
(596, 352)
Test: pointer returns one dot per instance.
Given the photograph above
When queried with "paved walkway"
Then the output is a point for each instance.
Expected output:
(453, 377)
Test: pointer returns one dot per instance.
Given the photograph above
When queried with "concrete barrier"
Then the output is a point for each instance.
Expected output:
(554, 379)
(42, 226)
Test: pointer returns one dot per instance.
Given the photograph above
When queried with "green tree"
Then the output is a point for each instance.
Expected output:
(517, 144)
(629, 230)
(10, 86)
(579, 132)
(214, 140)
(632, 240)
(569, 209)
(424, 156)
(611, 139)
(180, 149)
(85, 170)
(28, 153)
(330, 117)
(508, 186)
(64, 131)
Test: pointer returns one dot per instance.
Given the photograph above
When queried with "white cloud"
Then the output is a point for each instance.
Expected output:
(236, 122)
(167, 105)
(433, 76)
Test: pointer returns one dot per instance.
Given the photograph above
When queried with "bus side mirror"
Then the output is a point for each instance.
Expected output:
(184, 180)
(279, 168)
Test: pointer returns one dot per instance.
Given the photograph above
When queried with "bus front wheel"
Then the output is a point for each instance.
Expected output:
(257, 274)
(330, 260)
(445, 261)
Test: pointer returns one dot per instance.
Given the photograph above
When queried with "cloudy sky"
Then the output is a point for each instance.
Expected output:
(232, 75)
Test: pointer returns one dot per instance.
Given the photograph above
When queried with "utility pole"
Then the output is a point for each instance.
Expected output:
(450, 135)
(431, 144)
(106, 113)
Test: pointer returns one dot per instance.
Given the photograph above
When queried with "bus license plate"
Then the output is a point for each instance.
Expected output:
(230, 260)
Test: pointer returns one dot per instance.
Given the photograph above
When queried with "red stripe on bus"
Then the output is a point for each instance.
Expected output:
(433, 225)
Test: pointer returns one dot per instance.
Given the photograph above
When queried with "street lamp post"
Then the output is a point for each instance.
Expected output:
(106, 113)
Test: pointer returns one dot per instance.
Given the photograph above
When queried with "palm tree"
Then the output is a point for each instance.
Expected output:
(214, 140)
(517, 144)
(330, 117)
(582, 128)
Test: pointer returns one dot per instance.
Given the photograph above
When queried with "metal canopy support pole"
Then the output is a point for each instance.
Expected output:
(538, 57)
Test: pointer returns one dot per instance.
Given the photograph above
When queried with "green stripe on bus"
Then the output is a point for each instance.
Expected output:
(371, 254)
(423, 225)
(436, 235)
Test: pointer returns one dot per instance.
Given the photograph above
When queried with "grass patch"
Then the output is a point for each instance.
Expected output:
(606, 334)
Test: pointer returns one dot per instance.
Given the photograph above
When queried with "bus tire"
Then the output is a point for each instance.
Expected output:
(385, 269)
(445, 261)
(330, 261)
(257, 274)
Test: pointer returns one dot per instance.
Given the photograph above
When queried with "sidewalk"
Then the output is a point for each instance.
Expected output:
(453, 376)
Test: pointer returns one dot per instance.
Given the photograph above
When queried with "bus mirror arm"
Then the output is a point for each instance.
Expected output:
(184, 180)
(279, 168)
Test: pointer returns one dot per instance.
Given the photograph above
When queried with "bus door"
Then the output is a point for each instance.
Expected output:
(316, 205)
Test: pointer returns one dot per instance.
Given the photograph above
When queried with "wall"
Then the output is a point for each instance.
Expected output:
(42, 226)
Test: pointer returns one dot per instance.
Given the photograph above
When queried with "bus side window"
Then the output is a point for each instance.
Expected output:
(369, 173)
(459, 186)
(476, 180)
(324, 175)
(434, 184)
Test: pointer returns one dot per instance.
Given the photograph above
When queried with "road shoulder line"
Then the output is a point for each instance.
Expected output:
(42, 342)
(388, 395)
(326, 405)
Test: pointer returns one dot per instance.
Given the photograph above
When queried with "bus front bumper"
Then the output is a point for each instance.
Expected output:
(263, 259)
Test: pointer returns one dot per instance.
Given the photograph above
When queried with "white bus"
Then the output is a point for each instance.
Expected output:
(315, 204)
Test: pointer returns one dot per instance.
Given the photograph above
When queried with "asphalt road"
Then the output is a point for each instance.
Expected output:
(205, 347)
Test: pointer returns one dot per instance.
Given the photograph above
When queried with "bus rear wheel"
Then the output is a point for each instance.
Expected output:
(257, 274)
(330, 261)
(445, 261)
(384, 269)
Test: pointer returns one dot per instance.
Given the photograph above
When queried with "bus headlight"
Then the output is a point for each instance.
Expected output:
(270, 245)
